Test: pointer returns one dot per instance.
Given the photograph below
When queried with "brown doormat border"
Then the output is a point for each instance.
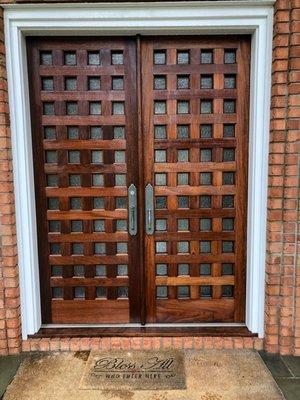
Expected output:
(143, 331)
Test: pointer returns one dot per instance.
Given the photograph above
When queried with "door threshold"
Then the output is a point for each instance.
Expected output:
(150, 330)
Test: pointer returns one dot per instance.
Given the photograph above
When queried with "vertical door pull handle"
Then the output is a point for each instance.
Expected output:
(132, 210)
(149, 198)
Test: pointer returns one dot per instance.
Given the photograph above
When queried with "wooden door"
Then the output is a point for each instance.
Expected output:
(168, 114)
(195, 123)
(84, 130)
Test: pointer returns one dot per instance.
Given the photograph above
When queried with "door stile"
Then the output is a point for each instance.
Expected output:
(243, 90)
(133, 176)
(148, 145)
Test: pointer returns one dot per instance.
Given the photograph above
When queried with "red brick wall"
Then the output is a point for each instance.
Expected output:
(283, 278)
(282, 324)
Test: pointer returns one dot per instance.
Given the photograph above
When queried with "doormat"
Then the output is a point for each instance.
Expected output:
(139, 370)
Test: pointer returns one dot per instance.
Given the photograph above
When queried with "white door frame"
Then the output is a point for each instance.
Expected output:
(253, 17)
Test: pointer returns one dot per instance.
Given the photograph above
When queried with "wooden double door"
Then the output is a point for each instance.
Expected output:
(140, 163)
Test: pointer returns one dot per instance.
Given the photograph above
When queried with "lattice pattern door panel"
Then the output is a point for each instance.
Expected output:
(195, 110)
(83, 105)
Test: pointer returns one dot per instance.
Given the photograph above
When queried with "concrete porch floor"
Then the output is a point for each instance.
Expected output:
(211, 375)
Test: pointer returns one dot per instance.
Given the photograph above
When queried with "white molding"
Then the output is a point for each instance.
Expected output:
(254, 17)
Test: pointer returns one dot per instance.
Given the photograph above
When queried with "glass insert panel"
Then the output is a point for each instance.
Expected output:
(160, 107)
(183, 178)
(118, 108)
(162, 292)
(49, 132)
(46, 57)
(227, 246)
(160, 202)
(48, 108)
(96, 132)
(101, 292)
(228, 224)
(183, 247)
(78, 270)
(183, 107)
(206, 82)
(205, 269)
(205, 201)
(51, 156)
(99, 225)
(121, 225)
(75, 203)
(228, 130)
(227, 269)
(160, 132)
(183, 269)
(229, 81)
(94, 58)
(206, 106)
(99, 248)
(70, 83)
(206, 155)
(119, 132)
(98, 202)
(74, 180)
(205, 291)
(117, 58)
(54, 226)
(119, 156)
(229, 106)
(161, 179)
(161, 247)
(122, 270)
(205, 246)
(183, 202)
(160, 156)
(183, 81)
(97, 180)
(79, 292)
(94, 83)
(121, 202)
(101, 270)
(206, 131)
(120, 180)
(228, 178)
(53, 203)
(56, 270)
(47, 84)
(160, 82)
(182, 155)
(54, 248)
(71, 108)
(95, 107)
(122, 248)
(183, 57)
(182, 224)
(77, 248)
(76, 226)
(205, 224)
(227, 291)
(57, 293)
(229, 57)
(52, 180)
(74, 157)
(161, 224)
(228, 201)
(205, 178)
(70, 58)
(183, 131)
(161, 269)
(228, 154)
(72, 132)
(97, 156)
(206, 57)
(159, 57)
(118, 83)
(183, 292)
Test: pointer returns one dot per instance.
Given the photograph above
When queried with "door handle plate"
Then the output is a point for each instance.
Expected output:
(132, 210)
(149, 199)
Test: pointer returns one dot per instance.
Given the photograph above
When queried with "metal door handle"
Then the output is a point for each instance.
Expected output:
(132, 205)
(149, 198)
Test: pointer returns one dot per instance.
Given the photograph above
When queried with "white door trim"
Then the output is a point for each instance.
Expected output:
(196, 17)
